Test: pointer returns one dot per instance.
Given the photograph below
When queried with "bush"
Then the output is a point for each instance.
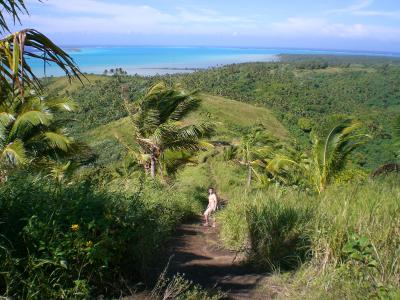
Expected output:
(76, 241)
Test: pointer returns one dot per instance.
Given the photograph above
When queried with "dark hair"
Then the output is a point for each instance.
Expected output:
(211, 188)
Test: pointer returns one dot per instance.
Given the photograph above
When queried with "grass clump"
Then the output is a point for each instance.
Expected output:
(346, 239)
(278, 235)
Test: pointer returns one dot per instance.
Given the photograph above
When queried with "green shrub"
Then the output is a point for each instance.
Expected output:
(77, 241)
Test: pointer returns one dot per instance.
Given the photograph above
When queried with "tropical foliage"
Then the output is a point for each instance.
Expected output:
(30, 130)
(331, 154)
(301, 93)
(78, 241)
(282, 163)
(155, 118)
(253, 149)
(84, 233)
(17, 48)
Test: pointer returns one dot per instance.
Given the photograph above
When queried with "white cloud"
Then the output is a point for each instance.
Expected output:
(361, 4)
(321, 27)
(375, 13)
(94, 16)
(98, 17)
(359, 9)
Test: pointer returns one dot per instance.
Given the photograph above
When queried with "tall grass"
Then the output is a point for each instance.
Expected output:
(346, 238)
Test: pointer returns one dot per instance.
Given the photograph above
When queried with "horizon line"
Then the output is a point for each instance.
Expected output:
(235, 47)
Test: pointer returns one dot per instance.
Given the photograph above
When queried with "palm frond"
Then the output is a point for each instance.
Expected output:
(6, 119)
(18, 47)
(58, 141)
(205, 145)
(330, 156)
(59, 171)
(26, 121)
(187, 105)
(14, 153)
(156, 89)
(13, 8)
(61, 104)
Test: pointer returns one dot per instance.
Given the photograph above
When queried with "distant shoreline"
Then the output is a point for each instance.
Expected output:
(349, 51)
(162, 61)
(173, 68)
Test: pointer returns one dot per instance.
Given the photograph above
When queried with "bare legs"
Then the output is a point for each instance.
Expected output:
(207, 214)
(206, 217)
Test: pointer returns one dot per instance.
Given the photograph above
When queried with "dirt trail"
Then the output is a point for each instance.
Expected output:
(197, 253)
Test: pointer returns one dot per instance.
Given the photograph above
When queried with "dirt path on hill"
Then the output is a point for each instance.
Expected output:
(197, 253)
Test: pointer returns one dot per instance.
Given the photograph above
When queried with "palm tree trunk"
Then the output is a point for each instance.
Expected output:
(322, 186)
(153, 166)
(161, 169)
(249, 176)
(323, 180)
(146, 168)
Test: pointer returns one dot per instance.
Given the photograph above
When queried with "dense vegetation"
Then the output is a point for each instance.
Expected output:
(304, 97)
(84, 213)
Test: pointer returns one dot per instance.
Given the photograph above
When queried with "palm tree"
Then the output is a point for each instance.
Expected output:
(157, 127)
(331, 153)
(16, 48)
(288, 164)
(252, 152)
(29, 130)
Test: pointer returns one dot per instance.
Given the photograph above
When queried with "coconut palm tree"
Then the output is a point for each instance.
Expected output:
(30, 131)
(253, 150)
(288, 164)
(157, 127)
(18, 47)
(331, 153)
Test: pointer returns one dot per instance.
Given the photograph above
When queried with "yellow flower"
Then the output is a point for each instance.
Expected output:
(74, 227)
(89, 244)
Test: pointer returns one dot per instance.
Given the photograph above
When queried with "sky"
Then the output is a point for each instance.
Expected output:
(372, 25)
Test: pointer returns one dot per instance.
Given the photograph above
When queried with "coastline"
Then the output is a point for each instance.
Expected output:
(154, 61)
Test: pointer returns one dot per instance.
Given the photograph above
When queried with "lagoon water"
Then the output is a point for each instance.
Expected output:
(164, 60)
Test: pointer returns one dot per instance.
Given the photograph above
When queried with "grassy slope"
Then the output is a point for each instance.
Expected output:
(62, 85)
(232, 118)
(229, 117)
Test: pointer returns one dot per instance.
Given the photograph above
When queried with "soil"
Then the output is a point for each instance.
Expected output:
(197, 253)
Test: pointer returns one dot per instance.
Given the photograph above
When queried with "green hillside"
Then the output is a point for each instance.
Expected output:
(231, 119)
(264, 180)
(311, 95)
(284, 214)
(305, 96)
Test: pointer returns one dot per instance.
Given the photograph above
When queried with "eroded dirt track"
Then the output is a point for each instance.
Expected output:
(197, 252)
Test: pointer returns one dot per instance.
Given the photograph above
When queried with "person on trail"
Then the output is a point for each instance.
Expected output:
(212, 206)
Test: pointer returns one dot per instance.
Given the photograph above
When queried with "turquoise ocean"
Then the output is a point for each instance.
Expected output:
(164, 60)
